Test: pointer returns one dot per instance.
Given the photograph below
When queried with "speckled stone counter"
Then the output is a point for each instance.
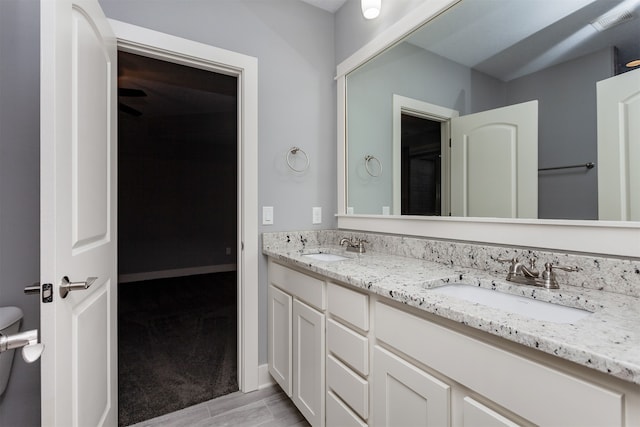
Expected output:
(607, 340)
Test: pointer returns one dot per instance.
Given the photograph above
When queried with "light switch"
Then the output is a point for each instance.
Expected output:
(317, 215)
(267, 215)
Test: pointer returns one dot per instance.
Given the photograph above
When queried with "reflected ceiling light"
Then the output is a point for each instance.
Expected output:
(370, 8)
(634, 63)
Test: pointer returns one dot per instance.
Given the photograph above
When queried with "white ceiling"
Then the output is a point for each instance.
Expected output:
(328, 5)
(510, 39)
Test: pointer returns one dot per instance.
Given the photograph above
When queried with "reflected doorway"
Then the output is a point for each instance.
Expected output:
(421, 157)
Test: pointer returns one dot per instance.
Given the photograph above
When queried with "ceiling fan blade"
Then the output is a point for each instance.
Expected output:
(137, 93)
(129, 110)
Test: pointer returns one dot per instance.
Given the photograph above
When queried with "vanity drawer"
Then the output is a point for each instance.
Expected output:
(349, 386)
(338, 414)
(348, 305)
(300, 285)
(348, 346)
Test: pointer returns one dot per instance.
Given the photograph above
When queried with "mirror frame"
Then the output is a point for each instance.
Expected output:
(618, 238)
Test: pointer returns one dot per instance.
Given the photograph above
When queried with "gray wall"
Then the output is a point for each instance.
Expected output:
(567, 132)
(294, 44)
(409, 71)
(19, 193)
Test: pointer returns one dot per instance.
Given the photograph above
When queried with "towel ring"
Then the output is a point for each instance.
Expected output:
(294, 151)
(367, 160)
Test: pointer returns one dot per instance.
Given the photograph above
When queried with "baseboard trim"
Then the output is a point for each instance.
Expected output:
(176, 272)
(264, 378)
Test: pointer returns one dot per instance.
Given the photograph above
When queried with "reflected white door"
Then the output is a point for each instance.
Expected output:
(495, 152)
(78, 219)
(619, 147)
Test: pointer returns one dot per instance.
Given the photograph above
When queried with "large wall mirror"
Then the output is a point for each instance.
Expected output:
(536, 97)
(457, 59)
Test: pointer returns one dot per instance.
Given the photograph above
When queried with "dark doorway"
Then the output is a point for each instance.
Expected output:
(421, 166)
(177, 225)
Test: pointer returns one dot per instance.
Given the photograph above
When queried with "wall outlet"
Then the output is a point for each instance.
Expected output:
(349, 210)
(228, 251)
(317, 215)
(267, 215)
(386, 210)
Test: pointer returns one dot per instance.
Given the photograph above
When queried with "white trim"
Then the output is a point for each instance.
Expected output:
(342, 147)
(594, 237)
(395, 33)
(264, 377)
(194, 54)
(176, 272)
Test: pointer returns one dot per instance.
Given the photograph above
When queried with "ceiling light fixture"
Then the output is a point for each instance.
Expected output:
(370, 8)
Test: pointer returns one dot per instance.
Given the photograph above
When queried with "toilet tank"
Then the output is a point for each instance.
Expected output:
(9, 324)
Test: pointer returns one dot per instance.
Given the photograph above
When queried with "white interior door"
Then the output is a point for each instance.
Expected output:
(619, 147)
(78, 220)
(495, 152)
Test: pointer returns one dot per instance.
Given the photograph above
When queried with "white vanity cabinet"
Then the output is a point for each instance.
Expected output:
(350, 358)
(296, 338)
(420, 364)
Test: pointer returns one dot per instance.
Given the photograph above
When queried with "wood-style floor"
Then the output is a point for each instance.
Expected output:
(268, 407)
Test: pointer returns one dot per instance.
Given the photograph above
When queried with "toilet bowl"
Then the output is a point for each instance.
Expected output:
(10, 318)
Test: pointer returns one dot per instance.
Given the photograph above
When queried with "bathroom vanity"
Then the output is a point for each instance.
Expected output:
(363, 339)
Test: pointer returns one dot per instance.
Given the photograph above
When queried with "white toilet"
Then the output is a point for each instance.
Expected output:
(10, 318)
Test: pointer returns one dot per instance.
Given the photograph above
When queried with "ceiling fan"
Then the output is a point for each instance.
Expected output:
(130, 93)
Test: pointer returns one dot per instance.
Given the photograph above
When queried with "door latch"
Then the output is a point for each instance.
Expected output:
(47, 291)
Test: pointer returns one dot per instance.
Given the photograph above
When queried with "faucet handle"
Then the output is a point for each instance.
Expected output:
(513, 268)
(549, 276)
(571, 268)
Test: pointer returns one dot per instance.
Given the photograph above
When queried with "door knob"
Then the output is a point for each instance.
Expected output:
(33, 289)
(68, 286)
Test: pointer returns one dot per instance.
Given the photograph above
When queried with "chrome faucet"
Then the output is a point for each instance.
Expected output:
(354, 244)
(529, 275)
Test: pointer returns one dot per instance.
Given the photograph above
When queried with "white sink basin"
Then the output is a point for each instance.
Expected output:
(326, 257)
(540, 310)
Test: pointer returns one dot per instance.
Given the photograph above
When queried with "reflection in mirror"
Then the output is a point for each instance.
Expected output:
(420, 165)
(484, 55)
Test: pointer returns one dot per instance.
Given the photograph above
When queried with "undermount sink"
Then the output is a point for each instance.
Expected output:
(327, 257)
(540, 310)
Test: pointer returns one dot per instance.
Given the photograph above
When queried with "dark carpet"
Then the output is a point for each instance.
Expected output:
(177, 344)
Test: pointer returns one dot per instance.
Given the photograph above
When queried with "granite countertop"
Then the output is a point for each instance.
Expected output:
(607, 340)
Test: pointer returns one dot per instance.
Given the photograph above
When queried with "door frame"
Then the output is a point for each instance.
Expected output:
(425, 110)
(153, 44)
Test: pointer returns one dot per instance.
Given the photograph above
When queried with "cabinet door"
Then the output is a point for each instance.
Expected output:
(279, 337)
(476, 414)
(404, 395)
(308, 362)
